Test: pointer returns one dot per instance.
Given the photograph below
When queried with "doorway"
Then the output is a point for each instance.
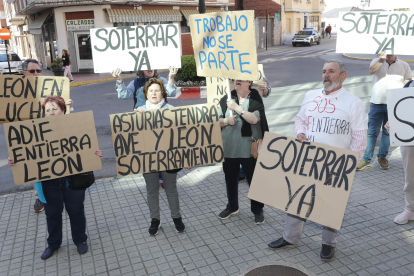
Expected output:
(262, 33)
(83, 50)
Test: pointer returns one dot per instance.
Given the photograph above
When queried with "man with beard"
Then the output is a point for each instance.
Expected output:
(387, 72)
(334, 117)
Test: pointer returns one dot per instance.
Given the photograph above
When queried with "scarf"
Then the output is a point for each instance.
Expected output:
(150, 106)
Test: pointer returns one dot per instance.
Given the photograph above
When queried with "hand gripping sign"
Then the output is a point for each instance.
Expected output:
(22, 96)
(166, 139)
(373, 32)
(52, 147)
(134, 48)
(400, 104)
(309, 180)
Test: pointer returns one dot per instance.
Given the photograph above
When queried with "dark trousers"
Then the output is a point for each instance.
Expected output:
(56, 194)
(231, 168)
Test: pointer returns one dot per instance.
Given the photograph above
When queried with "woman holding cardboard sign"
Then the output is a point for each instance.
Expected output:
(56, 192)
(241, 133)
(156, 98)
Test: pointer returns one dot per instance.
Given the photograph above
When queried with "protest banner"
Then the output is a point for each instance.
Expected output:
(224, 44)
(400, 104)
(134, 48)
(309, 180)
(22, 96)
(166, 139)
(52, 147)
(372, 32)
(216, 87)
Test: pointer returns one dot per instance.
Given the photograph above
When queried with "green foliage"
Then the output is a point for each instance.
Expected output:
(188, 70)
(57, 65)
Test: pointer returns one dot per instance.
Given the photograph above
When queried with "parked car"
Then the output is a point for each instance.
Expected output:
(306, 36)
(15, 63)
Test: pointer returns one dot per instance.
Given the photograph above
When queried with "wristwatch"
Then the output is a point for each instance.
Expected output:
(242, 112)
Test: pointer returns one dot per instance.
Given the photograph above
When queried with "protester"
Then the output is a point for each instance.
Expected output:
(342, 106)
(135, 88)
(381, 67)
(328, 31)
(237, 132)
(31, 67)
(407, 154)
(66, 64)
(266, 89)
(56, 192)
(155, 95)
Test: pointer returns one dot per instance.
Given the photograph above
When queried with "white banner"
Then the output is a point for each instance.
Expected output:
(373, 32)
(134, 48)
(400, 104)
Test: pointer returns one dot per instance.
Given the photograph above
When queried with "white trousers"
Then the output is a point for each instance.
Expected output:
(294, 228)
(407, 154)
(67, 72)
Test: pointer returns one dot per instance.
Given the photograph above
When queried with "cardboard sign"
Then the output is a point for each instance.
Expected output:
(309, 180)
(166, 139)
(134, 48)
(373, 32)
(52, 147)
(225, 44)
(21, 97)
(400, 104)
(216, 87)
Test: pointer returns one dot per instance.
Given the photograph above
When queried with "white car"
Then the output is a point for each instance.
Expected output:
(15, 63)
(307, 36)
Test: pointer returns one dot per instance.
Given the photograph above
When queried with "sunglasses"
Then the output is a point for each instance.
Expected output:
(33, 71)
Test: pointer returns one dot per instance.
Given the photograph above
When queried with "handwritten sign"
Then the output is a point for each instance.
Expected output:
(21, 97)
(225, 44)
(400, 104)
(216, 87)
(375, 32)
(166, 139)
(134, 48)
(308, 179)
(52, 147)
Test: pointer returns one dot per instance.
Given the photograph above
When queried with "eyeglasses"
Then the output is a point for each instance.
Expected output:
(34, 70)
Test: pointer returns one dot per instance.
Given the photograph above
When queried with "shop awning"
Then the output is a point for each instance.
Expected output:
(124, 15)
(36, 26)
(187, 13)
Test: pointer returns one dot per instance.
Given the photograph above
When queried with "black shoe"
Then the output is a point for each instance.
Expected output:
(179, 225)
(327, 252)
(227, 213)
(82, 248)
(259, 218)
(242, 177)
(281, 244)
(38, 206)
(155, 225)
(48, 253)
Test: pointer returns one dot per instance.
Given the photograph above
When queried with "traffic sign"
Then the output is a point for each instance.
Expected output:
(5, 34)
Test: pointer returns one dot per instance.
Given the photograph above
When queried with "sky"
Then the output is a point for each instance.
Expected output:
(375, 4)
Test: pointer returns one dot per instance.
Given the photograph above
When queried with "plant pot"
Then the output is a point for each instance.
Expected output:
(59, 73)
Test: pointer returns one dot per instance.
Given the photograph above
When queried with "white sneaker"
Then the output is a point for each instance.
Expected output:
(404, 217)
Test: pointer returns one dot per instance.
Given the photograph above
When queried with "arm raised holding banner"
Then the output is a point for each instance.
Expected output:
(374, 68)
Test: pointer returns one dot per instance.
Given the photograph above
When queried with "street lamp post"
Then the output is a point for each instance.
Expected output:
(201, 6)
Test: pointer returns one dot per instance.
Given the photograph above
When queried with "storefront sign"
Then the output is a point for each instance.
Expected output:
(134, 48)
(52, 147)
(166, 139)
(373, 32)
(21, 97)
(225, 44)
(400, 104)
(309, 180)
(80, 24)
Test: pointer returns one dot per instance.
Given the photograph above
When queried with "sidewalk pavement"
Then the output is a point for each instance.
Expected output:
(369, 242)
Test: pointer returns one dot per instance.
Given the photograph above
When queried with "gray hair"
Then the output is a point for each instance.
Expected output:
(25, 63)
(341, 65)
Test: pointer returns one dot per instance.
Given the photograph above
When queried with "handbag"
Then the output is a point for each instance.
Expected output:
(81, 181)
(256, 145)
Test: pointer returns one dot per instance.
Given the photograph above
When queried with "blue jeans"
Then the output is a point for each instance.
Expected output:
(377, 118)
(56, 194)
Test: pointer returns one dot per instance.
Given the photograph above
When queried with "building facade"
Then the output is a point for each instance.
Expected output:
(299, 14)
(56, 25)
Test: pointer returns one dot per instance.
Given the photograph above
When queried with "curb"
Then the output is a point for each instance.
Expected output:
(102, 80)
(366, 59)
